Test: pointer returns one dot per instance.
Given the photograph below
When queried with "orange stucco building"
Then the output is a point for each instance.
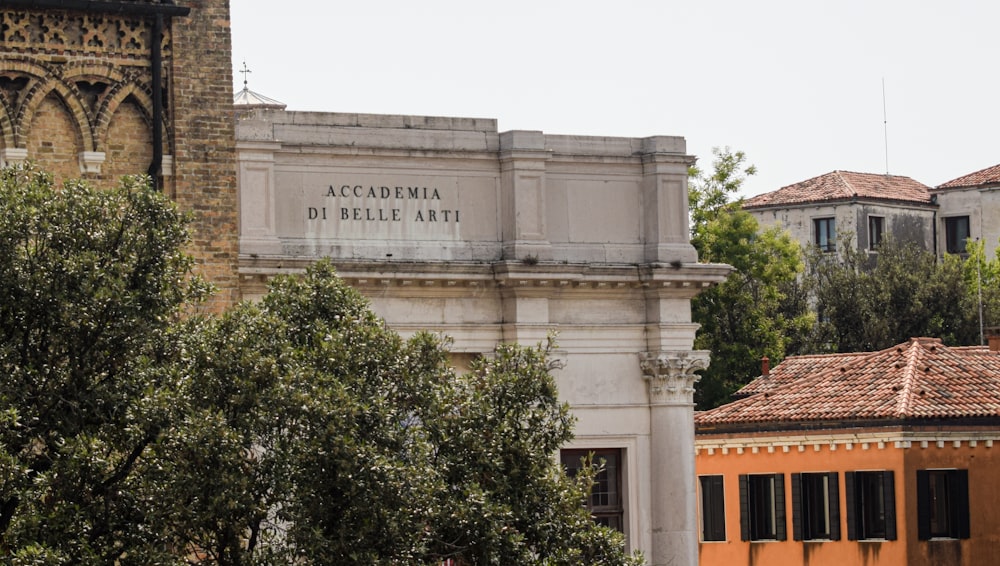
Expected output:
(882, 458)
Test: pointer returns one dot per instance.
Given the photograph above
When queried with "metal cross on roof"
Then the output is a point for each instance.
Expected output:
(245, 72)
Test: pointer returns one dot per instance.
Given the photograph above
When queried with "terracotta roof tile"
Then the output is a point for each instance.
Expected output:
(919, 379)
(793, 368)
(845, 185)
(988, 176)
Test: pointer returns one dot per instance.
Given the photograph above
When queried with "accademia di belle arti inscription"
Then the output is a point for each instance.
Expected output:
(381, 204)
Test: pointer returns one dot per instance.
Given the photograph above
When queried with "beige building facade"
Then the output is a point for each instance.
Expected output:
(970, 207)
(449, 225)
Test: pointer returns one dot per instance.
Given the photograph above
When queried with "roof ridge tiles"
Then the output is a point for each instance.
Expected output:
(904, 397)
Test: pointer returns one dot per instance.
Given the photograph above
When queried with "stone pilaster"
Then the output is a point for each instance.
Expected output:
(670, 377)
(665, 200)
(522, 192)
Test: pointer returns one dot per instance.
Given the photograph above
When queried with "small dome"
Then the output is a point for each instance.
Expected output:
(247, 99)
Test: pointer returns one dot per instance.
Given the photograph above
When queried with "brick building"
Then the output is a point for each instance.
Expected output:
(99, 89)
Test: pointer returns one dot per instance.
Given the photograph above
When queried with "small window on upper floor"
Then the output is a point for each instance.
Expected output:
(871, 505)
(825, 232)
(942, 504)
(762, 507)
(876, 226)
(956, 232)
(713, 508)
(815, 506)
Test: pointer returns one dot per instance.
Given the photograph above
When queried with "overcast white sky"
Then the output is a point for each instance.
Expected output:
(797, 85)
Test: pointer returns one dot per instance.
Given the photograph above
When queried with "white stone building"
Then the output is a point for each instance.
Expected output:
(448, 225)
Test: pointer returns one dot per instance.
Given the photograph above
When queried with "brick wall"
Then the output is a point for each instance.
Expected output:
(65, 95)
(53, 139)
(201, 99)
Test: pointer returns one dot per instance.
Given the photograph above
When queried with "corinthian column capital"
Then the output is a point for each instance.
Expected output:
(671, 375)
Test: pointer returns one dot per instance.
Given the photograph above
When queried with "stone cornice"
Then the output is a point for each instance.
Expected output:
(686, 278)
(860, 440)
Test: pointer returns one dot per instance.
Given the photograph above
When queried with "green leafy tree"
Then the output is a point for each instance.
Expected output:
(90, 282)
(982, 284)
(869, 302)
(760, 310)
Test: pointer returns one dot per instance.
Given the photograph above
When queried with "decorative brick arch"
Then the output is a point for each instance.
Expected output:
(37, 74)
(70, 97)
(118, 94)
(6, 126)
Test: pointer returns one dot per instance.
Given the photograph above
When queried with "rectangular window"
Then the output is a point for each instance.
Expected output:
(762, 507)
(942, 504)
(871, 505)
(956, 232)
(605, 502)
(826, 233)
(876, 225)
(815, 506)
(713, 508)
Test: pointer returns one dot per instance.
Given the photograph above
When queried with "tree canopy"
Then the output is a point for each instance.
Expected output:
(867, 302)
(298, 429)
(758, 311)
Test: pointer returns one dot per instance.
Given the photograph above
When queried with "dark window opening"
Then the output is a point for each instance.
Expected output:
(826, 233)
(605, 501)
(956, 232)
(816, 506)
(871, 505)
(762, 507)
(876, 225)
(713, 508)
(942, 504)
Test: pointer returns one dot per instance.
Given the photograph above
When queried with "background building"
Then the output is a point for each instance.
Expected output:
(878, 458)
(970, 208)
(863, 206)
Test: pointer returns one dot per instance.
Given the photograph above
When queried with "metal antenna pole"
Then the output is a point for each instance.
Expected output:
(979, 286)
(885, 128)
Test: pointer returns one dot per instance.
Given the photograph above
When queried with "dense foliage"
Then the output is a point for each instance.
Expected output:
(868, 301)
(759, 310)
(299, 429)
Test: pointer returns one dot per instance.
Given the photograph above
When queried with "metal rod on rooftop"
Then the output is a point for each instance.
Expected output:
(885, 128)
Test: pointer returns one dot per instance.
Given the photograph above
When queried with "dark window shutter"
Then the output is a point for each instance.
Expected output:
(852, 522)
(713, 509)
(834, 507)
(744, 509)
(797, 506)
(960, 502)
(890, 504)
(779, 506)
(923, 505)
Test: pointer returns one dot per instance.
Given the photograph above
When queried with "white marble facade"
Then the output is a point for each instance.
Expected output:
(448, 225)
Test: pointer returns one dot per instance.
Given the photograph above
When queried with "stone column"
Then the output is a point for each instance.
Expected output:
(671, 378)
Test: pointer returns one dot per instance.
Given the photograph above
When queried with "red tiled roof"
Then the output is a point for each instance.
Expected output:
(793, 368)
(988, 176)
(920, 379)
(845, 185)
